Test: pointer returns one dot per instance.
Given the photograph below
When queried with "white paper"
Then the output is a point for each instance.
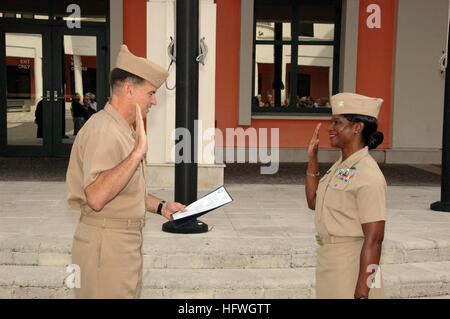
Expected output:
(211, 201)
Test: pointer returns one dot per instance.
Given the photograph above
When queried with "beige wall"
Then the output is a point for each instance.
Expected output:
(419, 85)
(349, 45)
(116, 29)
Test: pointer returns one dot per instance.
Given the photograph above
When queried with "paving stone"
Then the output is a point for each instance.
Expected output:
(304, 260)
(54, 259)
(180, 293)
(32, 276)
(6, 293)
(301, 293)
(241, 293)
(152, 261)
(6, 257)
(42, 293)
(29, 258)
(148, 293)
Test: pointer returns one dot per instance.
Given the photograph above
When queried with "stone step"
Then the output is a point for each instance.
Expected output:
(411, 280)
(218, 253)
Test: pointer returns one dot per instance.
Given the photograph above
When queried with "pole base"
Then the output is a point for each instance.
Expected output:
(193, 227)
(441, 206)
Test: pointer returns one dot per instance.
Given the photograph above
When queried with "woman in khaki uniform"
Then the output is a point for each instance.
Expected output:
(349, 202)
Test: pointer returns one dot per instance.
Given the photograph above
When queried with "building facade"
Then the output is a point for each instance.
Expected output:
(252, 105)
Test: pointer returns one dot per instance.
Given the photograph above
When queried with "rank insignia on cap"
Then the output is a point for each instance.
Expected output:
(341, 104)
(346, 174)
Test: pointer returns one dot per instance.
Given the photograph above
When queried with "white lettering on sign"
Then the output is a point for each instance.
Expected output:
(374, 20)
(24, 64)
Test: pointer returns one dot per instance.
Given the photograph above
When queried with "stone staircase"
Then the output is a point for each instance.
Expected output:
(197, 266)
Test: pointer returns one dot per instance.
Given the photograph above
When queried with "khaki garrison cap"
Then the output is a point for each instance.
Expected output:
(352, 103)
(144, 68)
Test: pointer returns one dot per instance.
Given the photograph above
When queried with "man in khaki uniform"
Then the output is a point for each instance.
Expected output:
(106, 183)
(349, 202)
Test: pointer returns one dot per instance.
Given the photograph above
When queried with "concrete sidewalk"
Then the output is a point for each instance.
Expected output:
(260, 246)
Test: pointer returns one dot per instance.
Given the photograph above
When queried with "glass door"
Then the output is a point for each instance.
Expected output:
(54, 79)
(80, 85)
(25, 96)
(49, 51)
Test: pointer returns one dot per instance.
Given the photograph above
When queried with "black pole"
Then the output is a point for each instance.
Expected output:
(186, 101)
(444, 204)
(186, 93)
(278, 65)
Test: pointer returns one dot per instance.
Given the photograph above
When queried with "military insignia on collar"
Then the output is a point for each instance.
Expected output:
(346, 174)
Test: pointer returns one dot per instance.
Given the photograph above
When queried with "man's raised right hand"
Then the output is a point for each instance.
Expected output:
(140, 146)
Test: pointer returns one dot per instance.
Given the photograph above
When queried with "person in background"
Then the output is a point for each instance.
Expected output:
(260, 101)
(38, 119)
(313, 102)
(88, 109)
(323, 102)
(92, 101)
(303, 102)
(78, 113)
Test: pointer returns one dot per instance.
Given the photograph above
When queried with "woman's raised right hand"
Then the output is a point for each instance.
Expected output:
(314, 143)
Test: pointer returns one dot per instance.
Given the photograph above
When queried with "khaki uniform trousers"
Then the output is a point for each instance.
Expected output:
(109, 254)
(337, 270)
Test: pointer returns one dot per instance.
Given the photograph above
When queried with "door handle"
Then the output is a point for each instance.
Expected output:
(56, 97)
(46, 97)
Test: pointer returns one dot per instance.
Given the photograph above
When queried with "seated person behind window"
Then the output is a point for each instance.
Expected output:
(323, 102)
(270, 100)
(260, 101)
(303, 102)
(309, 101)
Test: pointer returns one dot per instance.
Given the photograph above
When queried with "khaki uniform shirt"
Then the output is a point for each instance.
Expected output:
(352, 192)
(103, 143)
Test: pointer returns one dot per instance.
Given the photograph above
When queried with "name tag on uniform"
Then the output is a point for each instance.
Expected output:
(346, 174)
